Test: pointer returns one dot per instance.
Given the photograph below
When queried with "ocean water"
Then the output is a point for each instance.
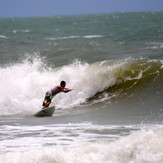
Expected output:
(113, 63)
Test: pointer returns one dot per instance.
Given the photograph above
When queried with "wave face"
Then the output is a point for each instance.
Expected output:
(24, 85)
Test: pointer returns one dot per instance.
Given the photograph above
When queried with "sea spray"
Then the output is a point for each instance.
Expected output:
(21, 86)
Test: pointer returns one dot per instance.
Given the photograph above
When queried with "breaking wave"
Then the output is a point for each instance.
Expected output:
(24, 85)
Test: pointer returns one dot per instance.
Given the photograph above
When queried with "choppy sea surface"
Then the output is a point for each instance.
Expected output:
(113, 63)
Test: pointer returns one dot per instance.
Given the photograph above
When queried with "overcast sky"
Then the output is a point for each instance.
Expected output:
(24, 8)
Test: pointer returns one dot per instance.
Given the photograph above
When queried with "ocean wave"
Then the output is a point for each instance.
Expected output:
(23, 31)
(3, 37)
(154, 45)
(26, 83)
(73, 37)
(120, 78)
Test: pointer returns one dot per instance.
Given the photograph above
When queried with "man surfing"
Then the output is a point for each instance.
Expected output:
(51, 93)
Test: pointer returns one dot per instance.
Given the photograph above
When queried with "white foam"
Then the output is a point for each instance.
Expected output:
(154, 45)
(92, 36)
(74, 37)
(22, 86)
(4, 37)
(23, 31)
(26, 31)
(140, 146)
(61, 38)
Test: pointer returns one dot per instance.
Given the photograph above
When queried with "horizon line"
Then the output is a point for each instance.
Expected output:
(82, 14)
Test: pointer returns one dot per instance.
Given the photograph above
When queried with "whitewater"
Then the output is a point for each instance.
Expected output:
(113, 63)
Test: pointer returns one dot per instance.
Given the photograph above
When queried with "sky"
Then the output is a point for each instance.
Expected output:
(27, 8)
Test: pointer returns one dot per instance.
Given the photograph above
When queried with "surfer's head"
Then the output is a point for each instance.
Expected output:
(63, 84)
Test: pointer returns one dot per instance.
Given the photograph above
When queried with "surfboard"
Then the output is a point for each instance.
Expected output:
(47, 112)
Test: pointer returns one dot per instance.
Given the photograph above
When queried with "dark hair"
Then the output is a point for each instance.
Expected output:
(62, 82)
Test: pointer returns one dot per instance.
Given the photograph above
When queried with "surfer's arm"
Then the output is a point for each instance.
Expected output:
(67, 90)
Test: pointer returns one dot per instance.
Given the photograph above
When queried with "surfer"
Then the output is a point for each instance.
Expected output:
(51, 93)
